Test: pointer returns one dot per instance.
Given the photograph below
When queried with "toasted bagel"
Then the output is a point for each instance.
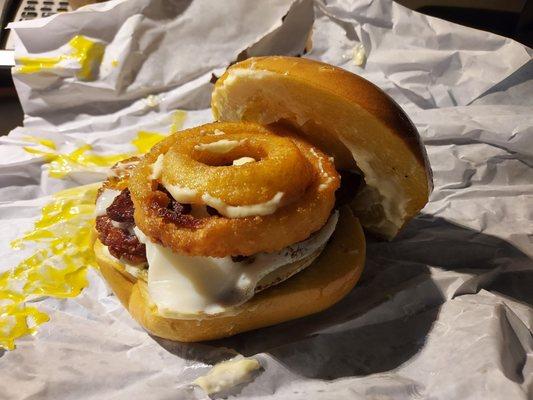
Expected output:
(344, 115)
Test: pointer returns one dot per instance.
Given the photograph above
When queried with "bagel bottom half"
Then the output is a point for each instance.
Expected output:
(327, 280)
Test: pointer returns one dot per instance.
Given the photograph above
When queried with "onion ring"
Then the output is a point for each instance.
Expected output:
(218, 236)
(190, 164)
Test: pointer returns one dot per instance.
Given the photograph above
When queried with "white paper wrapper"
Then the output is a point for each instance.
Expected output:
(442, 312)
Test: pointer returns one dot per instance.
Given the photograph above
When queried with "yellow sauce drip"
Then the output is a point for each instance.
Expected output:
(82, 159)
(85, 51)
(145, 141)
(43, 142)
(57, 268)
(178, 118)
(65, 235)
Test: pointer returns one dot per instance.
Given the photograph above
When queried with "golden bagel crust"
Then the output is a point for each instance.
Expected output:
(316, 288)
(345, 116)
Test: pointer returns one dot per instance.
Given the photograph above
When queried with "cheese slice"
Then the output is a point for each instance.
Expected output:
(181, 285)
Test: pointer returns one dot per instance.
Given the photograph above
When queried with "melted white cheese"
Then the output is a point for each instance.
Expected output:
(228, 374)
(105, 200)
(133, 269)
(181, 285)
(220, 147)
(328, 178)
(260, 209)
(157, 168)
(243, 160)
(182, 194)
(190, 196)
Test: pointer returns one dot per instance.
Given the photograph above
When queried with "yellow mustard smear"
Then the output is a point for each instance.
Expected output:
(83, 159)
(43, 142)
(56, 269)
(88, 53)
(146, 140)
(64, 234)
(80, 159)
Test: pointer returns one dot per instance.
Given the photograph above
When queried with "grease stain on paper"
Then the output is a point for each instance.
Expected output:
(86, 52)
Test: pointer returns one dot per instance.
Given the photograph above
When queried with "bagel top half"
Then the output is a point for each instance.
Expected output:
(344, 115)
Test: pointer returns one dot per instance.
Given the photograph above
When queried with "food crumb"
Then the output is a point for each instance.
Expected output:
(359, 55)
(228, 374)
(152, 101)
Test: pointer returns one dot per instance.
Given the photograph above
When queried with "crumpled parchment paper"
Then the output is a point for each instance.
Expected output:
(444, 311)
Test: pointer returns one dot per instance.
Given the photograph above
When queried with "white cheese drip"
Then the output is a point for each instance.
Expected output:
(105, 199)
(182, 194)
(220, 147)
(260, 209)
(157, 168)
(181, 285)
(328, 178)
(243, 160)
(133, 269)
(190, 196)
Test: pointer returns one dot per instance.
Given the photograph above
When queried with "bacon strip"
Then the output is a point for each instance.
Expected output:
(121, 243)
(121, 210)
(120, 240)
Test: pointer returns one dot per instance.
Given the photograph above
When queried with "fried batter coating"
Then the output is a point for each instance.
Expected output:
(279, 166)
(218, 236)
